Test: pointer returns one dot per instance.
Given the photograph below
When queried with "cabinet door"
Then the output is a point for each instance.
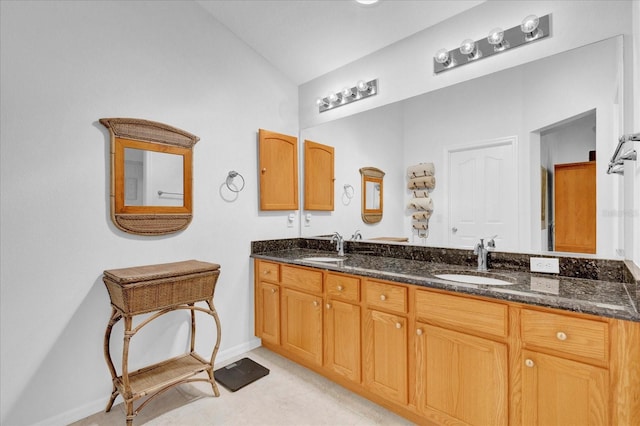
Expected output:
(385, 355)
(557, 391)
(268, 312)
(342, 345)
(278, 171)
(302, 325)
(318, 176)
(462, 376)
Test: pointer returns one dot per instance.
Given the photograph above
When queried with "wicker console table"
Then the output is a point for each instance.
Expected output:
(157, 290)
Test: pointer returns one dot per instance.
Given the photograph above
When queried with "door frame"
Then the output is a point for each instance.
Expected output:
(487, 143)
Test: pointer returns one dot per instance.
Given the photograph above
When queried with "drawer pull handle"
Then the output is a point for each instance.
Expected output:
(267, 272)
(398, 325)
(315, 303)
(383, 297)
(561, 336)
(529, 363)
(340, 288)
(328, 305)
(419, 332)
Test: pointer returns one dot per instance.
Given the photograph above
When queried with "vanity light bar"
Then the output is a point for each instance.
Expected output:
(498, 41)
(348, 95)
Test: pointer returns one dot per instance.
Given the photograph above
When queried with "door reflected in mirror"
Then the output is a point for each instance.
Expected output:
(372, 194)
(153, 178)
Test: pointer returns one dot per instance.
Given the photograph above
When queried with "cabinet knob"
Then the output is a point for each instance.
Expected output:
(398, 325)
(383, 297)
(561, 336)
(340, 288)
(315, 303)
(273, 290)
(419, 332)
(328, 305)
(267, 272)
(264, 170)
(529, 363)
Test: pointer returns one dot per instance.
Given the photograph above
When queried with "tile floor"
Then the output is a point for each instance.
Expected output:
(289, 395)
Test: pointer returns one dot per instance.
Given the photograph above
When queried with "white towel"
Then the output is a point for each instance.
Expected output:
(422, 215)
(421, 204)
(425, 182)
(422, 169)
(420, 225)
(420, 194)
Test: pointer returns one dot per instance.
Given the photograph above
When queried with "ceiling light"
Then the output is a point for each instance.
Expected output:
(367, 2)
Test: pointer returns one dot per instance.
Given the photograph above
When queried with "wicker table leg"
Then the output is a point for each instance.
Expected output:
(115, 317)
(214, 314)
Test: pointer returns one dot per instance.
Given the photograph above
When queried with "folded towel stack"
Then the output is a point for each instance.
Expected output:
(422, 169)
(424, 182)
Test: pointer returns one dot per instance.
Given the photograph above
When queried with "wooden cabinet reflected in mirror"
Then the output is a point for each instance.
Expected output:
(372, 194)
(151, 176)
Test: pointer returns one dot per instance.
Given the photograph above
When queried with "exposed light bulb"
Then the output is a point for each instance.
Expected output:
(496, 39)
(333, 97)
(442, 57)
(320, 102)
(529, 27)
(470, 48)
(362, 86)
(347, 92)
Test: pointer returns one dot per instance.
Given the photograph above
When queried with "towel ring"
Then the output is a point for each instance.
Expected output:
(232, 174)
(348, 193)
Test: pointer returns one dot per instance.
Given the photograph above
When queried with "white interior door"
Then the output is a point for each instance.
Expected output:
(483, 197)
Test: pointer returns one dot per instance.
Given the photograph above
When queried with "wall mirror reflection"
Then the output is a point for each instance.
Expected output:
(372, 194)
(549, 108)
(151, 179)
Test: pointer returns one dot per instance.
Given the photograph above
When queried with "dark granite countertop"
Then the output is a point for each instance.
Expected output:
(603, 298)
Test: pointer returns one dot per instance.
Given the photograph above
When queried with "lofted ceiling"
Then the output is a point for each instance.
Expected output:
(308, 38)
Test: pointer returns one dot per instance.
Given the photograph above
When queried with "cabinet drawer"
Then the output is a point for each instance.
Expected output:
(386, 296)
(268, 271)
(303, 279)
(578, 336)
(343, 287)
(462, 313)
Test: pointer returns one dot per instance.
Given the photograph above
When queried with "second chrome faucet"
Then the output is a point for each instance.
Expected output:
(483, 251)
(339, 243)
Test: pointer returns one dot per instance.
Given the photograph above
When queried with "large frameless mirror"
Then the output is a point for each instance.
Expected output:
(151, 179)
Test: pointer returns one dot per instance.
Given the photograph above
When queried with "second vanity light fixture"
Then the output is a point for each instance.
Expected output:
(363, 89)
(498, 41)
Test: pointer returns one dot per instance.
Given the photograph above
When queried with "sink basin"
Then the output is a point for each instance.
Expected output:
(472, 279)
(323, 259)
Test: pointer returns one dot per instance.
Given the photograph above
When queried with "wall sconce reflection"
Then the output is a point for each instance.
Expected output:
(362, 89)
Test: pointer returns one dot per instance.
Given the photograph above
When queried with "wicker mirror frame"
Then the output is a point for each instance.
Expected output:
(374, 175)
(151, 136)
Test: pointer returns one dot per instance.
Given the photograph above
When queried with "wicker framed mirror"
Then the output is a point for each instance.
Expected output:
(151, 176)
(372, 194)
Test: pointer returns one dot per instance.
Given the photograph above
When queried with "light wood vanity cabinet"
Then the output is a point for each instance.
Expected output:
(385, 340)
(461, 359)
(437, 357)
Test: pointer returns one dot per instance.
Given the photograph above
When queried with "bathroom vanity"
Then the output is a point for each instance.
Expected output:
(443, 352)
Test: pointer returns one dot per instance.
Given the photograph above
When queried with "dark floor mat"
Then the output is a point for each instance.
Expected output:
(239, 374)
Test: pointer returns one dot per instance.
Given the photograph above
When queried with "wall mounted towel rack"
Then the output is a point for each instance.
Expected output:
(616, 165)
(230, 177)
(161, 193)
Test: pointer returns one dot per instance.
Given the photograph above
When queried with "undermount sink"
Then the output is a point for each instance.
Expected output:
(473, 279)
(323, 259)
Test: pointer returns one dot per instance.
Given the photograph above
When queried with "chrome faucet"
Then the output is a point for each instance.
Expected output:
(481, 251)
(339, 243)
(356, 235)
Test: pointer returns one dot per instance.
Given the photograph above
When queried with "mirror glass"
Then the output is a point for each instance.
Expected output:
(525, 110)
(153, 178)
(372, 194)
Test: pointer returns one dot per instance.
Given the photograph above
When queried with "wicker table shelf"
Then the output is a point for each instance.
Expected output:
(157, 290)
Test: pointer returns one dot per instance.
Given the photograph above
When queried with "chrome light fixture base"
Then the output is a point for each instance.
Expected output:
(513, 37)
(358, 92)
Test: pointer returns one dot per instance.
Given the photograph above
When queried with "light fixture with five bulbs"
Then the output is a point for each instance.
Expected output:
(362, 89)
(531, 29)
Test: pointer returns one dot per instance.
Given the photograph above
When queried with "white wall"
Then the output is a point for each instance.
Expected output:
(64, 65)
